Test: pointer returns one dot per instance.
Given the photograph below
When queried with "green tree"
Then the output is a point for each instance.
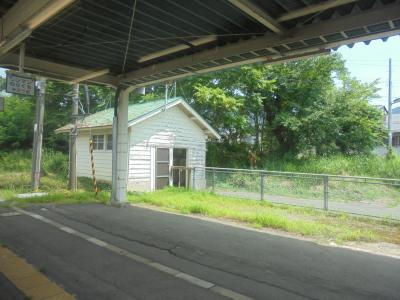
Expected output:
(16, 121)
(297, 108)
(301, 108)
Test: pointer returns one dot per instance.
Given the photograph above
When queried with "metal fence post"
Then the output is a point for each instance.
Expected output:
(213, 181)
(194, 178)
(326, 191)
(262, 186)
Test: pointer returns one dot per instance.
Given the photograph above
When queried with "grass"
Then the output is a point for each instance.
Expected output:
(15, 178)
(360, 165)
(62, 197)
(304, 221)
(307, 188)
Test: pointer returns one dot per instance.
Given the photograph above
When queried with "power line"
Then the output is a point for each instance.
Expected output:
(129, 36)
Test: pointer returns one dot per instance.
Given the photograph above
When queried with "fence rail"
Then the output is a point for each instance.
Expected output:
(294, 174)
(379, 197)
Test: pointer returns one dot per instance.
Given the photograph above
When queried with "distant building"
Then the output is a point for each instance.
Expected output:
(395, 129)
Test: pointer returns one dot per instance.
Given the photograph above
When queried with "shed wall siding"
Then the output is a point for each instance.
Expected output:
(102, 158)
(172, 128)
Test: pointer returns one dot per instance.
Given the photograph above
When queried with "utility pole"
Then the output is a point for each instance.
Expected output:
(390, 107)
(166, 96)
(38, 133)
(87, 98)
(21, 57)
(72, 138)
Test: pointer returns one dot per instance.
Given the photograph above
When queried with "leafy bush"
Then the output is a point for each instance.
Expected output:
(16, 161)
(55, 163)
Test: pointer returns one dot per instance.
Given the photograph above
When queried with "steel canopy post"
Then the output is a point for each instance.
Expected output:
(120, 149)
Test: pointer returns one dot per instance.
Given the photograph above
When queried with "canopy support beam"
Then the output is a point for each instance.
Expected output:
(91, 75)
(120, 151)
(56, 71)
(313, 9)
(258, 14)
(24, 17)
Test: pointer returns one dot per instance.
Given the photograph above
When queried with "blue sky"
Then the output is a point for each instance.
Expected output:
(370, 62)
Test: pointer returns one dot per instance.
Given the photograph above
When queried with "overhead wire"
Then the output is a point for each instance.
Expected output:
(129, 36)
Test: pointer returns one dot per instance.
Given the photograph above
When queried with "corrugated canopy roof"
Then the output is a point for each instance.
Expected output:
(177, 38)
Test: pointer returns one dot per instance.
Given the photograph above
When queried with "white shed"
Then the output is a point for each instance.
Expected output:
(163, 135)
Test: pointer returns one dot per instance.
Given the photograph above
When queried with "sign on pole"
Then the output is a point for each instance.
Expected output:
(20, 83)
(1, 104)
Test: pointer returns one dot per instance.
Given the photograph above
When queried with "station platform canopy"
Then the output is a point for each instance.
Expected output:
(129, 44)
(141, 42)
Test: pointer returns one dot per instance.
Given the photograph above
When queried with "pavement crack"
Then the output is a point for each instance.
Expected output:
(171, 250)
(144, 243)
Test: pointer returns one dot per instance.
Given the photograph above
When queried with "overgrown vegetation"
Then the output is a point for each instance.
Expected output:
(247, 185)
(357, 165)
(15, 177)
(54, 162)
(303, 221)
(16, 122)
(300, 109)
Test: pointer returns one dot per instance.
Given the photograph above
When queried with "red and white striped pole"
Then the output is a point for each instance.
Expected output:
(93, 168)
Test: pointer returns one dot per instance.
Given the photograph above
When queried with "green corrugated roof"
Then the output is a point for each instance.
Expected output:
(105, 117)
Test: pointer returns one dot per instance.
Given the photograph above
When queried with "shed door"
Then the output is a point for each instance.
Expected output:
(179, 160)
(162, 168)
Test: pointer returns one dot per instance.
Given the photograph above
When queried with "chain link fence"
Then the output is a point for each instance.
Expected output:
(378, 197)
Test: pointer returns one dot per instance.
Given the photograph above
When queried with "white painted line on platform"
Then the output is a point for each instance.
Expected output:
(160, 267)
(10, 214)
(194, 280)
(67, 229)
(163, 268)
(97, 242)
(37, 217)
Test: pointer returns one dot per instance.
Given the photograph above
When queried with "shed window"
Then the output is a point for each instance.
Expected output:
(179, 176)
(98, 142)
(396, 140)
(109, 142)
